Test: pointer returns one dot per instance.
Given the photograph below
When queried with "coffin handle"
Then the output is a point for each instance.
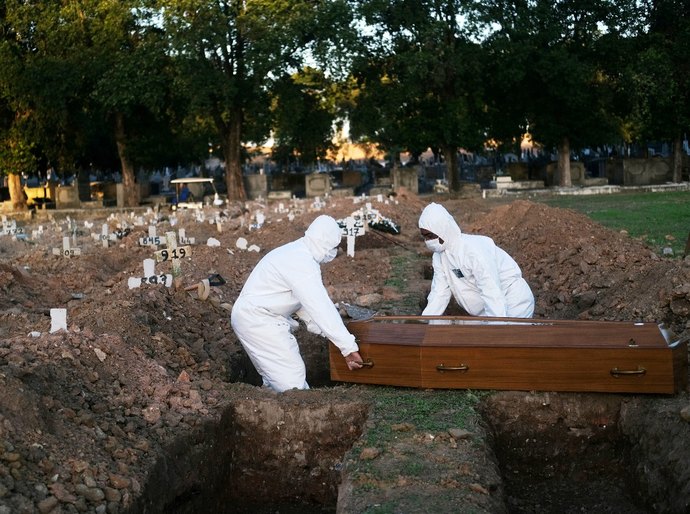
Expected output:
(368, 363)
(615, 372)
(462, 367)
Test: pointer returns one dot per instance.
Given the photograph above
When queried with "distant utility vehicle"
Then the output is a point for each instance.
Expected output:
(200, 190)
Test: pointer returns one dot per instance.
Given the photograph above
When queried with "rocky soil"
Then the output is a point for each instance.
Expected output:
(146, 397)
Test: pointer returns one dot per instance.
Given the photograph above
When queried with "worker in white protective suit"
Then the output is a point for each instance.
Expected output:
(288, 281)
(482, 277)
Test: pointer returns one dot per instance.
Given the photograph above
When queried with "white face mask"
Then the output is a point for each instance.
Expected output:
(435, 245)
(330, 255)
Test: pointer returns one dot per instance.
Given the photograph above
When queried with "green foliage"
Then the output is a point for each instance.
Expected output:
(410, 74)
(547, 62)
(303, 120)
(429, 411)
(657, 82)
(660, 219)
(418, 86)
(403, 266)
(16, 154)
(72, 66)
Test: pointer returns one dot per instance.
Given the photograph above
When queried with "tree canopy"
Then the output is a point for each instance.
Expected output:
(110, 85)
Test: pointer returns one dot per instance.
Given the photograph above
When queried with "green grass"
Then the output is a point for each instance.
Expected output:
(659, 219)
(429, 411)
(403, 266)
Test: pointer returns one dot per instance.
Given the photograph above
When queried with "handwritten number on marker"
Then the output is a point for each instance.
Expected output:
(153, 279)
(177, 253)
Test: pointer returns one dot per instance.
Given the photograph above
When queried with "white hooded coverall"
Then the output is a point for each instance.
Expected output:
(286, 281)
(483, 278)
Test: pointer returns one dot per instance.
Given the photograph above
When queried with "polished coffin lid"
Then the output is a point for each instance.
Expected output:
(516, 353)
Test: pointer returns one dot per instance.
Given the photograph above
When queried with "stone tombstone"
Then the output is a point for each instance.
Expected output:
(406, 177)
(120, 194)
(517, 170)
(577, 174)
(317, 184)
(351, 178)
(291, 182)
(109, 194)
(84, 185)
(639, 172)
(67, 197)
(256, 186)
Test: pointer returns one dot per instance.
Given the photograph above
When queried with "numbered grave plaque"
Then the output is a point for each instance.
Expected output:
(183, 239)
(66, 250)
(170, 254)
(152, 239)
(353, 227)
(10, 228)
(105, 236)
(150, 277)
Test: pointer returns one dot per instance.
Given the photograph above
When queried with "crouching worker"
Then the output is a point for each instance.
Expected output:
(287, 281)
(482, 277)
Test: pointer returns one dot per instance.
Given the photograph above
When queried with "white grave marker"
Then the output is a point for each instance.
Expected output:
(10, 228)
(183, 239)
(37, 233)
(174, 254)
(353, 228)
(66, 250)
(150, 276)
(152, 239)
(260, 218)
(58, 320)
(105, 236)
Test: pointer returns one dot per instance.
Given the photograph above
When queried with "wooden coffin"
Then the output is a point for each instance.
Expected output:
(515, 354)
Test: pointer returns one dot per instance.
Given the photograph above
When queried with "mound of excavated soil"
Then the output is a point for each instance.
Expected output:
(85, 414)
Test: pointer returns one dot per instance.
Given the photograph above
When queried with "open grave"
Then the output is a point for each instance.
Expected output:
(147, 402)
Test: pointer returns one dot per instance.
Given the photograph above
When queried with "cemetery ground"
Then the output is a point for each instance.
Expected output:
(147, 403)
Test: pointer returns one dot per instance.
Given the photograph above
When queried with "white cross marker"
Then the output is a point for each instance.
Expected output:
(183, 239)
(353, 228)
(105, 236)
(150, 276)
(10, 228)
(152, 239)
(174, 254)
(66, 250)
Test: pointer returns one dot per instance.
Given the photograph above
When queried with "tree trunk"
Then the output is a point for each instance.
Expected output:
(14, 183)
(451, 155)
(677, 160)
(232, 151)
(129, 186)
(564, 163)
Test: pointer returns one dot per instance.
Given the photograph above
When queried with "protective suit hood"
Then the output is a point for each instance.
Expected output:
(435, 218)
(323, 235)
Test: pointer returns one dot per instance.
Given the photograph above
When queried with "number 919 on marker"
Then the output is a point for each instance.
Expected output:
(173, 253)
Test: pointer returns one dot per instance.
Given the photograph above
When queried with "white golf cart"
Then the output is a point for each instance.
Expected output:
(200, 191)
